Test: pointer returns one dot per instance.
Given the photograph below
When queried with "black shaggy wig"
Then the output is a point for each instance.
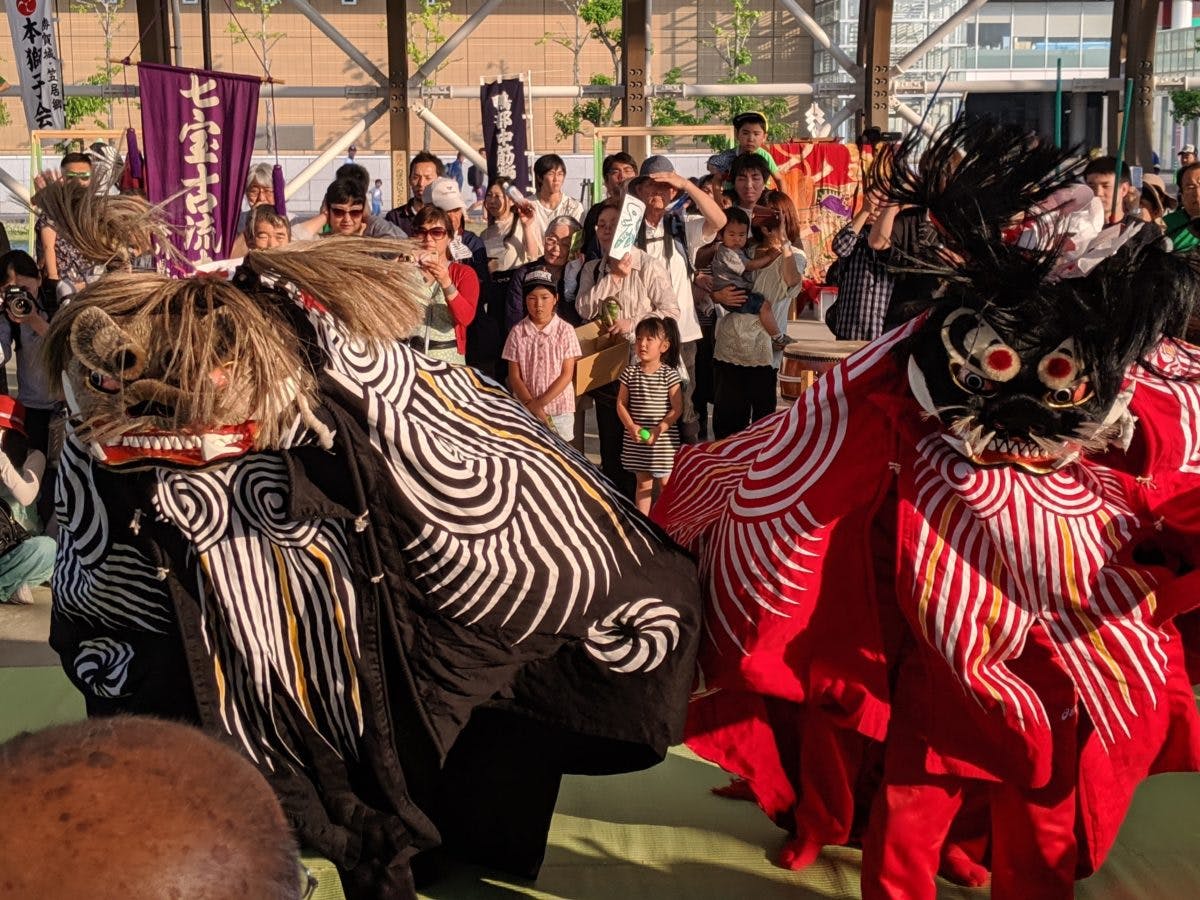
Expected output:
(975, 179)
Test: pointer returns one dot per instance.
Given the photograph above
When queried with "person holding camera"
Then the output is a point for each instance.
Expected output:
(452, 286)
(24, 321)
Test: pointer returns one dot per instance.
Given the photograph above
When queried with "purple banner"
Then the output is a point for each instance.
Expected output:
(504, 131)
(198, 133)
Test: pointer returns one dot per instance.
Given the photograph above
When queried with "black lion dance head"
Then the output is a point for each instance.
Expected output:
(1023, 356)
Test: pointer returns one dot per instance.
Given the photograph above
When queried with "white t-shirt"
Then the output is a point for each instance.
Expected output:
(689, 326)
(567, 206)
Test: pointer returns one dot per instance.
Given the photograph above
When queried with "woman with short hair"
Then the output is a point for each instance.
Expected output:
(453, 290)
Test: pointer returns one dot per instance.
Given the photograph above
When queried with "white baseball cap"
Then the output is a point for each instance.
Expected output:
(444, 194)
(1188, 148)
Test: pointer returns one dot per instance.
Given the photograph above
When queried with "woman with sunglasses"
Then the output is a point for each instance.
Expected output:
(453, 289)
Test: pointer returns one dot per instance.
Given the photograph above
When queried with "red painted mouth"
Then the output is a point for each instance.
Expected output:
(179, 447)
(1042, 465)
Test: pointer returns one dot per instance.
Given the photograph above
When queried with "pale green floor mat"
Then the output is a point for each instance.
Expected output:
(661, 834)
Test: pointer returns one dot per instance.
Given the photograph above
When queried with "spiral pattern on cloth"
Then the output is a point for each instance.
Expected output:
(986, 489)
(195, 502)
(1073, 493)
(260, 492)
(103, 665)
(635, 637)
(80, 514)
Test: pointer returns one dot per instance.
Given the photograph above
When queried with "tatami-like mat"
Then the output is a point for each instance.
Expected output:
(661, 834)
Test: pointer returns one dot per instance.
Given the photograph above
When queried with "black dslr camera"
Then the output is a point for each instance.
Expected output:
(19, 300)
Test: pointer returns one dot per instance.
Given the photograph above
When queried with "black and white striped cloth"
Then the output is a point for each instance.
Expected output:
(649, 402)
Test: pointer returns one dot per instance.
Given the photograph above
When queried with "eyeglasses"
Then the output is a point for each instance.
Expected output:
(345, 212)
(437, 232)
(79, 176)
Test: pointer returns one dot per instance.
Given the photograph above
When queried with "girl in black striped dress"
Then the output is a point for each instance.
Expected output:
(649, 403)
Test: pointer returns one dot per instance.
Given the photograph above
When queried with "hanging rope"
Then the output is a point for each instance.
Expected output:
(127, 59)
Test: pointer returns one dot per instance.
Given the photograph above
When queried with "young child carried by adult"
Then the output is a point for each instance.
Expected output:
(266, 229)
(649, 403)
(732, 266)
(541, 351)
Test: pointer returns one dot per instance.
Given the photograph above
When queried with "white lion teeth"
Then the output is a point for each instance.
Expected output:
(214, 445)
(160, 441)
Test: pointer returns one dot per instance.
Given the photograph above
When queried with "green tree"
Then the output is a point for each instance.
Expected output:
(263, 39)
(1185, 106)
(574, 44)
(667, 111)
(425, 35)
(107, 13)
(603, 21)
(595, 110)
(732, 45)
(79, 110)
(5, 118)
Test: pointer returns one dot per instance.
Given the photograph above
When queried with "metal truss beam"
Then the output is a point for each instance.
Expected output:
(919, 52)
(463, 32)
(340, 41)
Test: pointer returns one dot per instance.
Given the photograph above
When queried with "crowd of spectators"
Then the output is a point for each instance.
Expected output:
(718, 256)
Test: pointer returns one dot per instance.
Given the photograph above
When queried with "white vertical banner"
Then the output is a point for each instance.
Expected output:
(32, 26)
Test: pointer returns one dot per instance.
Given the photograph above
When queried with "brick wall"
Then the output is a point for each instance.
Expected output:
(506, 43)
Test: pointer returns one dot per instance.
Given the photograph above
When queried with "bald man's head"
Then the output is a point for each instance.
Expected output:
(138, 809)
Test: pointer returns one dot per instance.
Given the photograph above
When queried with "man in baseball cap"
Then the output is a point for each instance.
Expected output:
(672, 238)
(1187, 155)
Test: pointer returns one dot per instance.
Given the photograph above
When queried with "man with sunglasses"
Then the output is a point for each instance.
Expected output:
(58, 259)
(344, 211)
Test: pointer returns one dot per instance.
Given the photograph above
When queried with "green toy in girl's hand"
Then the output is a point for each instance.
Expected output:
(610, 312)
(644, 435)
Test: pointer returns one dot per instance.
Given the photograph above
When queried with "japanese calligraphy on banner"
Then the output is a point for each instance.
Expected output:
(32, 26)
(504, 132)
(198, 132)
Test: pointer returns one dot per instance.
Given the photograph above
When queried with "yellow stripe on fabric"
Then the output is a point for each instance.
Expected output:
(498, 433)
(1147, 591)
(289, 608)
(339, 619)
(985, 635)
(218, 671)
(931, 566)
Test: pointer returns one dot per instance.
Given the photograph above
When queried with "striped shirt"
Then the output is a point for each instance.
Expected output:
(864, 288)
(649, 404)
